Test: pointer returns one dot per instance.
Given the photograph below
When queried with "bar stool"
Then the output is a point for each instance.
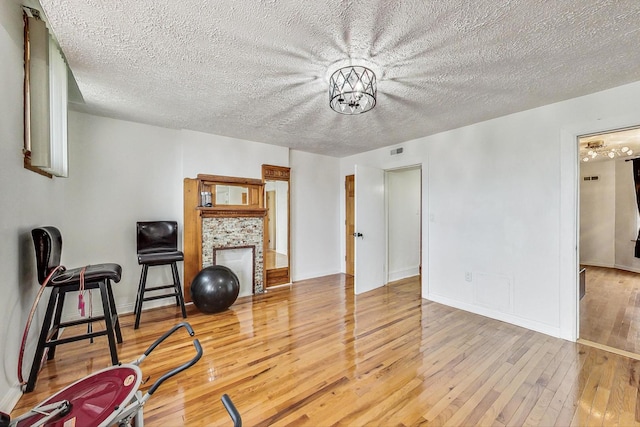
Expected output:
(157, 243)
(48, 247)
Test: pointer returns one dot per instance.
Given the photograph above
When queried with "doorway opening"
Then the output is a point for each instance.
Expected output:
(609, 219)
(397, 238)
(404, 222)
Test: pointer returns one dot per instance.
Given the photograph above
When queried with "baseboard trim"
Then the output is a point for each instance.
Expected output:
(626, 268)
(597, 264)
(10, 399)
(402, 274)
(503, 317)
(296, 278)
(616, 266)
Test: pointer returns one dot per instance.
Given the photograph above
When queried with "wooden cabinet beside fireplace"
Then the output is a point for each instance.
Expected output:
(230, 197)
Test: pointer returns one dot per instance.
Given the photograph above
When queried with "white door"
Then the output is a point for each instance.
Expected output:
(370, 247)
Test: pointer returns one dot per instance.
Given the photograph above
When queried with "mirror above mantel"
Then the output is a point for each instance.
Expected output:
(225, 196)
(277, 229)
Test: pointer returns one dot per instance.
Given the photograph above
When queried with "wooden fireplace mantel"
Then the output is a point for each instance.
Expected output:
(217, 212)
(253, 206)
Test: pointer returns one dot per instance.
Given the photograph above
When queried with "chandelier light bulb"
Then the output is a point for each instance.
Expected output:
(597, 148)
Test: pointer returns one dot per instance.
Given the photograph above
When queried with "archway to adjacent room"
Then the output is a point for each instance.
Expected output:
(609, 289)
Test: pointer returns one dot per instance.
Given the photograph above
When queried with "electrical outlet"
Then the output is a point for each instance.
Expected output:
(467, 276)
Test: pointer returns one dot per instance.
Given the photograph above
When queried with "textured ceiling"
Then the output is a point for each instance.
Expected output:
(257, 70)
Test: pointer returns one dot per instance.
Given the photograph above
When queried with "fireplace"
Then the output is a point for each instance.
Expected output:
(228, 233)
(223, 217)
(242, 261)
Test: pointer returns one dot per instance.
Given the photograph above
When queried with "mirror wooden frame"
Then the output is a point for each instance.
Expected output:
(282, 275)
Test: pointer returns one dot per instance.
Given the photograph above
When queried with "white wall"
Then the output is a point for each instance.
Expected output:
(500, 203)
(315, 215)
(403, 217)
(598, 213)
(120, 173)
(220, 155)
(27, 200)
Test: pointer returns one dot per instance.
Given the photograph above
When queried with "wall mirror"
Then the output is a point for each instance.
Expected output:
(231, 195)
(277, 226)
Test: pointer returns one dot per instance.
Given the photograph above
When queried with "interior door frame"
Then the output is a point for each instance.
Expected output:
(579, 211)
(569, 324)
(349, 235)
(420, 224)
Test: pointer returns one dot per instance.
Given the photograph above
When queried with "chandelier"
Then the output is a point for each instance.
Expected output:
(598, 148)
(352, 90)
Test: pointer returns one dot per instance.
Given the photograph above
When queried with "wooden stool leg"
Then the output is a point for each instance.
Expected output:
(140, 297)
(56, 324)
(176, 281)
(114, 312)
(178, 288)
(104, 293)
(42, 341)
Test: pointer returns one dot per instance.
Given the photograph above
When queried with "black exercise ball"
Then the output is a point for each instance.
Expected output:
(214, 289)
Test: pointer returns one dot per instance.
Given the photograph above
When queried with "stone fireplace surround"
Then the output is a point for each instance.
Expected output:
(232, 232)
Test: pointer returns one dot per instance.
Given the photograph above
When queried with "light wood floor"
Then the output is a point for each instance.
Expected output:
(610, 309)
(315, 355)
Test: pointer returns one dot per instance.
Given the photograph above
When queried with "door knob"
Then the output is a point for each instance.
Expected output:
(357, 234)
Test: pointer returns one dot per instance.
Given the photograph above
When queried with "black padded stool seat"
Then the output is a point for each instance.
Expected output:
(160, 258)
(157, 244)
(48, 248)
(91, 273)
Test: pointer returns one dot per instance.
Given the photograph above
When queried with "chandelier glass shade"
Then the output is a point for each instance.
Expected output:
(599, 149)
(352, 90)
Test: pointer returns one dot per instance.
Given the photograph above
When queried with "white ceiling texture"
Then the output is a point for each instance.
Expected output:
(258, 69)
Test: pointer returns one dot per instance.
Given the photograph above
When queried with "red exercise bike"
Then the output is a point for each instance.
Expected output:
(108, 397)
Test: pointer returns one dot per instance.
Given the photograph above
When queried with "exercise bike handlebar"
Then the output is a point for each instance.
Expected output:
(164, 336)
(231, 409)
(177, 370)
